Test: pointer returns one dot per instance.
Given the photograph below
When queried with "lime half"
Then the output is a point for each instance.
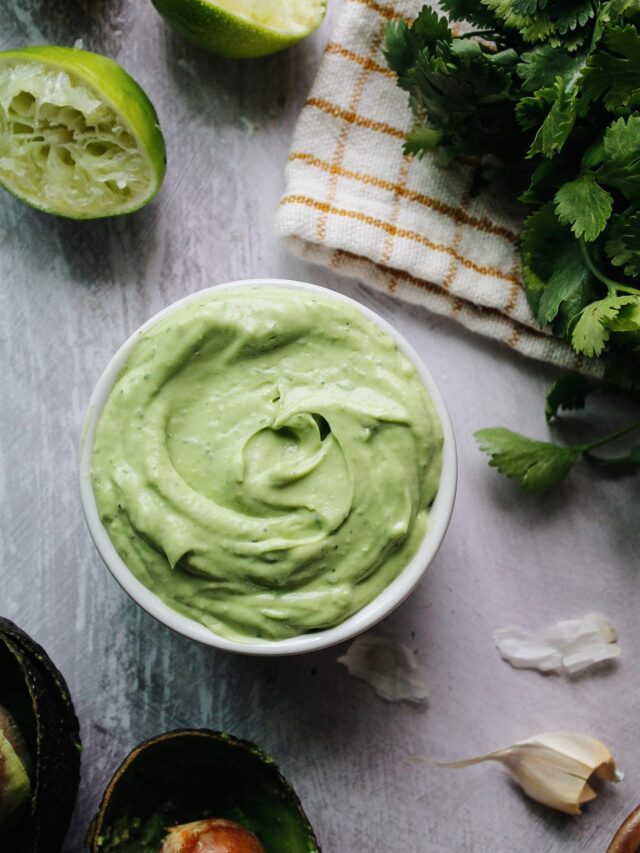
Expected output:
(78, 136)
(242, 29)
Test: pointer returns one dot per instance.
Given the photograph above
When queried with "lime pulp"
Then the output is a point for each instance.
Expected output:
(78, 136)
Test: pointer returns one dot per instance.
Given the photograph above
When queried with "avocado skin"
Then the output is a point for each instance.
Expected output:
(191, 774)
(45, 715)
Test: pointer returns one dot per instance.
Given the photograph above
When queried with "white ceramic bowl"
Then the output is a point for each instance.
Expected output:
(376, 610)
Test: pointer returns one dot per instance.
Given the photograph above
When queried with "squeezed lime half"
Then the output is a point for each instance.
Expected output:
(243, 29)
(78, 136)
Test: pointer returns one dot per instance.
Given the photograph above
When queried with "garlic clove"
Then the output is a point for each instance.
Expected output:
(553, 769)
(587, 795)
(588, 751)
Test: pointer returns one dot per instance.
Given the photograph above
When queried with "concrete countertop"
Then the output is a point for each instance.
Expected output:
(72, 292)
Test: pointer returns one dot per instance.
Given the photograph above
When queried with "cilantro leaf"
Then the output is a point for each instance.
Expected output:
(533, 29)
(613, 12)
(535, 464)
(628, 318)
(472, 11)
(400, 49)
(456, 84)
(534, 26)
(575, 39)
(621, 165)
(558, 124)
(593, 328)
(528, 7)
(547, 176)
(429, 28)
(559, 283)
(615, 73)
(541, 67)
(533, 109)
(463, 89)
(572, 14)
(538, 22)
(568, 392)
(584, 205)
(623, 245)
(403, 43)
(594, 155)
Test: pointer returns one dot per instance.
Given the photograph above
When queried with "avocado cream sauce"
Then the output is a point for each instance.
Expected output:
(266, 460)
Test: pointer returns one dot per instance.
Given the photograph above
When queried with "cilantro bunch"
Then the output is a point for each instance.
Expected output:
(546, 95)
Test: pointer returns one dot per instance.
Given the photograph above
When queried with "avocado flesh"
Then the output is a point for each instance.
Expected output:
(188, 776)
(15, 787)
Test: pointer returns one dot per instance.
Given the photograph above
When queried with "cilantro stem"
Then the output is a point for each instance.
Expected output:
(612, 286)
(609, 282)
(585, 448)
(626, 288)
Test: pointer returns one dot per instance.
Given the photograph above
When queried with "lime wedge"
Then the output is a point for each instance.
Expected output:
(78, 136)
(242, 29)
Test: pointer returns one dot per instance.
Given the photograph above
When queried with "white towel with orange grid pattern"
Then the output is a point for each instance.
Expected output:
(354, 203)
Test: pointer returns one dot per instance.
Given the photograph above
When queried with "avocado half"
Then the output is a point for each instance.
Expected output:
(194, 774)
(40, 745)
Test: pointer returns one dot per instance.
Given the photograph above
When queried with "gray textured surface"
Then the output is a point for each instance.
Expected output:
(72, 292)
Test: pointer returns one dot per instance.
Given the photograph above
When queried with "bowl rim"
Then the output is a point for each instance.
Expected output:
(385, 602)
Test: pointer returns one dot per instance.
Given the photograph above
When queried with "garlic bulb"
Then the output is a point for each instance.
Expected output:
(554, 769)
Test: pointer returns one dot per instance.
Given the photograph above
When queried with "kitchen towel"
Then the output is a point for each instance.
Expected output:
(353, 202)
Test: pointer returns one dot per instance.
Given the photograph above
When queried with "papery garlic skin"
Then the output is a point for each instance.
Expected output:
(553, 768)
(568, 646)
(388, 666)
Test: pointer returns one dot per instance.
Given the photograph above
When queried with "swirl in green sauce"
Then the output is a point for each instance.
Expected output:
(266, 461)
